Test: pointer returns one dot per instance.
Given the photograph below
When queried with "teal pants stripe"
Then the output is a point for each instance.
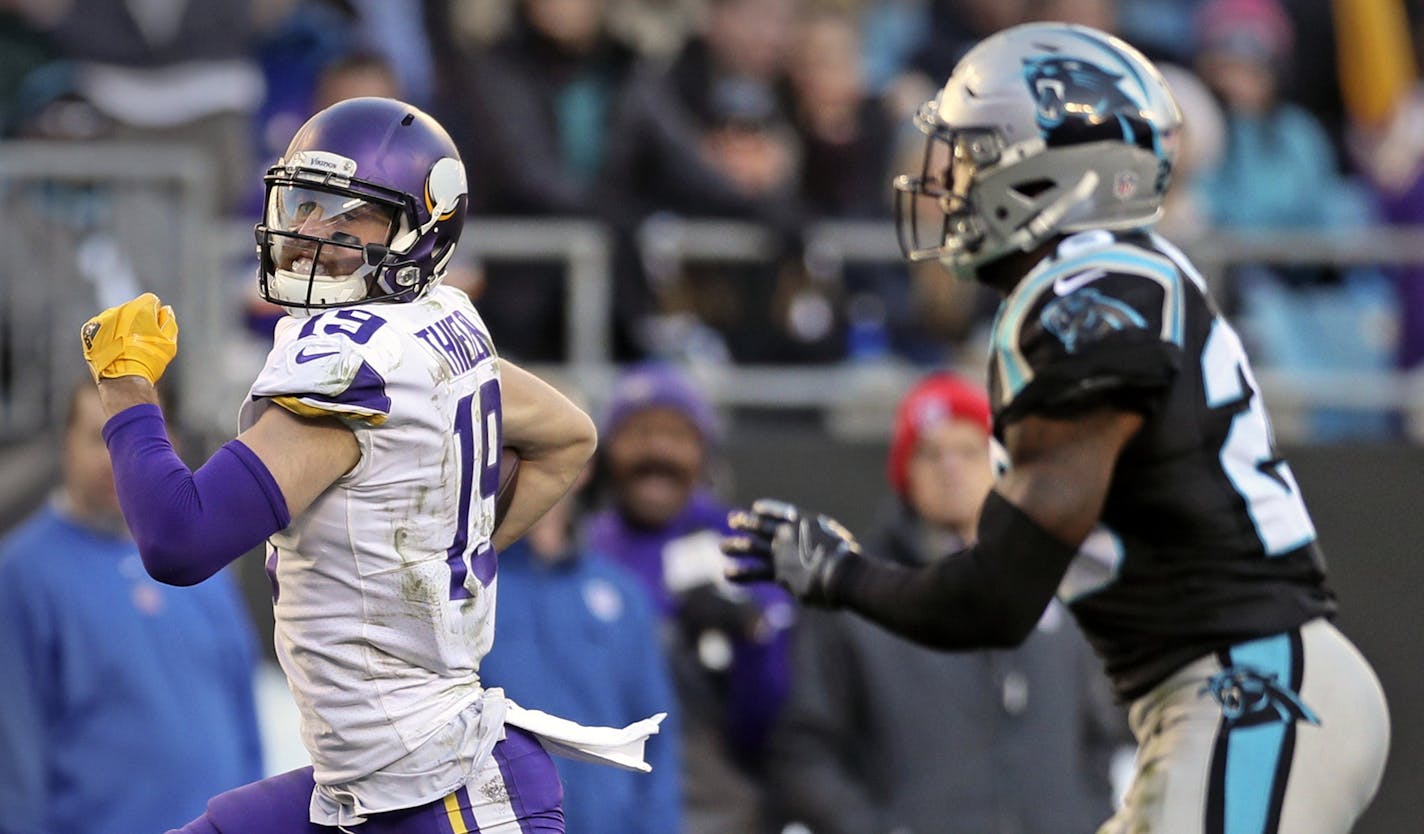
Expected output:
(1252, 758)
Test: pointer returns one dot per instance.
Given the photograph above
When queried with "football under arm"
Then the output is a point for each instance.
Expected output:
(554, 439)
(189, 525)
(992, 593)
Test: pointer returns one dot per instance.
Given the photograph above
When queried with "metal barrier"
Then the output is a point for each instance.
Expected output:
(832, 245)
(586, 247)
(86, 226)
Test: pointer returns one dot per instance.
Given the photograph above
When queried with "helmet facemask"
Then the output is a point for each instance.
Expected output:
(335, 241)
(367, 204)
(946, 213)
(323, 245)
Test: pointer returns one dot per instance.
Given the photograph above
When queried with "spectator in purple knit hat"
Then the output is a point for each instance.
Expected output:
(727, 647)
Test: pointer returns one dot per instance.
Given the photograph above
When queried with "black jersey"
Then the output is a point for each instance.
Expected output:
(1204, 540)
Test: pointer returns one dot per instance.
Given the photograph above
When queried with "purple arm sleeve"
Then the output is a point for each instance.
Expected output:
(189, 525)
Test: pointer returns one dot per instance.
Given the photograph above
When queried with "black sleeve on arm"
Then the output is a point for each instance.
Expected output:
(986, 596)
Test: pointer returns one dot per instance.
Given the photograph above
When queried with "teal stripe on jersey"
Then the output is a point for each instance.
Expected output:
(1117, 258)
(1016, 375)
(1174, 316)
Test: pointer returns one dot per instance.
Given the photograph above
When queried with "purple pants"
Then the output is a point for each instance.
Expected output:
(518, 792)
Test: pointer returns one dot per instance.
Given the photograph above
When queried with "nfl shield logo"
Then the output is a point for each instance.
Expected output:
(1125, 185)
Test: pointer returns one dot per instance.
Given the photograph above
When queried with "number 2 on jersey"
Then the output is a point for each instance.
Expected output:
(1248, 455)
(479, 431)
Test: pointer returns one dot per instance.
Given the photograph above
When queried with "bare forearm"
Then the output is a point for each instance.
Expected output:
(541, 484)
(1066, 507)
(125, 392)
(1063, 468)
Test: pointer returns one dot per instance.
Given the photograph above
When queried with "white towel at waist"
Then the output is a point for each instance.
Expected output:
(620, 747)
(430, 772)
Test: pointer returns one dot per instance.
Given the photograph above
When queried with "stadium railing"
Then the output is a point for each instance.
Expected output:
(86, 226)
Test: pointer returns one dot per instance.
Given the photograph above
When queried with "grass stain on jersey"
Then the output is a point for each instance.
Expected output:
(424, 590)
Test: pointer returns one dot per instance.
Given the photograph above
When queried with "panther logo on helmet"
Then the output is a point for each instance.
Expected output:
(1081, 102)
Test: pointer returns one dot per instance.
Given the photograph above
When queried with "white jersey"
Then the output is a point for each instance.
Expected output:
(384, 588)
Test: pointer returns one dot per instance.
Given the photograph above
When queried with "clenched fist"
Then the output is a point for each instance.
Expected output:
(136, 338)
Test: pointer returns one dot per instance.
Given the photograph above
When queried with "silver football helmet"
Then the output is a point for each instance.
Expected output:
(1042, 129)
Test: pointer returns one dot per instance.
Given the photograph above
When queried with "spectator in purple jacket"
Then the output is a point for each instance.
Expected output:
(727, 648)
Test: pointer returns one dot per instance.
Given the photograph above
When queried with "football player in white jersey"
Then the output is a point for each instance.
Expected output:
(1139, 482)
(368, 458)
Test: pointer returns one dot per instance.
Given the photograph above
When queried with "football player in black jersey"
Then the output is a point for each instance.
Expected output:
(1141, 484)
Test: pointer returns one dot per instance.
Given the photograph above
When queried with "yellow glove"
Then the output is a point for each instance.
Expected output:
(136, 338)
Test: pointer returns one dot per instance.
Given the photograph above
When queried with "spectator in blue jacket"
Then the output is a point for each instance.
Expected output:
(124, 704)
(578, 638)
(1278, 169)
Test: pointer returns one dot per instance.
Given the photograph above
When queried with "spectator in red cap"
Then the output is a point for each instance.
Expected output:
(939, 458)
(861, 744)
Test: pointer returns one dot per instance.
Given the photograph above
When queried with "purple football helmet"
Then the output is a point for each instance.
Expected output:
(367, 204)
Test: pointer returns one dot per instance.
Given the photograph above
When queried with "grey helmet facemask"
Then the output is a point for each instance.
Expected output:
(1042, 129)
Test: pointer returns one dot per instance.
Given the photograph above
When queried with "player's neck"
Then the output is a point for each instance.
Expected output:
(1005, 273)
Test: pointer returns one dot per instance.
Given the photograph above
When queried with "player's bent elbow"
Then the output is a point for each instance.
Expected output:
(1016, 615)
(585, 439)
(179, 562)
(585, 453)
(580, 443)
(1009, 617)
(978, 626)
(171, 573)
(1012, 632)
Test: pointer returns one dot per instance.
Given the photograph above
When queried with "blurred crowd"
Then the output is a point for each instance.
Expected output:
(1301, 115)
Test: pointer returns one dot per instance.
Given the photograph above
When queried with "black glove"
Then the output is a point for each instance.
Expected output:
(802, 553)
